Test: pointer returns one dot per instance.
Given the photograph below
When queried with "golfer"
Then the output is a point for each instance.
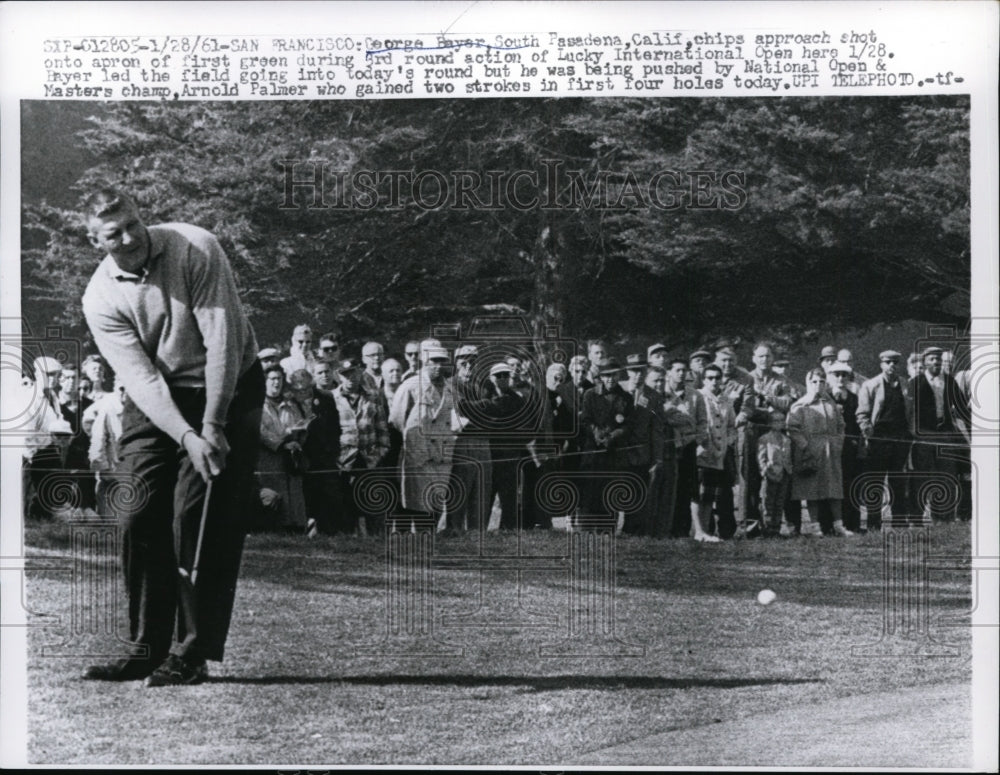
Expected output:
(164, 311)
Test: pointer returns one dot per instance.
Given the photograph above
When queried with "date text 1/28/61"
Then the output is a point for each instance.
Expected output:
(167, 44)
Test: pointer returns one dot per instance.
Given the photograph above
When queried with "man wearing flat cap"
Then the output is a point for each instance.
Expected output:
(697, 361)
(827, 357)
(938, 444)
(657, 355)
(268, 357)
(885, 411)
(783, 366)
(604, 417)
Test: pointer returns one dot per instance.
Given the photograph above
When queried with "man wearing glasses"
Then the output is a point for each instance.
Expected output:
(329, 349)
(373, 354)
(884, 414)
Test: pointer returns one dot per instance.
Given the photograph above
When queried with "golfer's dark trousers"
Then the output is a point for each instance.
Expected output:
(160, 525)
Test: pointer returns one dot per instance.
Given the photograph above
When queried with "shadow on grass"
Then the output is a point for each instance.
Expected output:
(530, 683)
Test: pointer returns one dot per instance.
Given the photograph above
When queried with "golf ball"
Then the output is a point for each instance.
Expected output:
(766, 597)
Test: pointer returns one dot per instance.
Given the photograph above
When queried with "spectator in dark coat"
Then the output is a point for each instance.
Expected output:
(651, 454)
(320, 441)
(938, 444)
(604, 417)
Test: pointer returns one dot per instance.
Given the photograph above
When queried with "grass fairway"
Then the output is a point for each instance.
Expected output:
(713, 668)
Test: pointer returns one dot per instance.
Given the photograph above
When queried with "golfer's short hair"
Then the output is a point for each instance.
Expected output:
(712, 367)
(675, 361)
(274, 367)
(765, 344)
(106, 201)
(659, 370)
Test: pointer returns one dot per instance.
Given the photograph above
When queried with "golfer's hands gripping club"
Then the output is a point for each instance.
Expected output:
(207, 452)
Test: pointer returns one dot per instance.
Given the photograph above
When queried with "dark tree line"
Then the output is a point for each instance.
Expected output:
(842, 211)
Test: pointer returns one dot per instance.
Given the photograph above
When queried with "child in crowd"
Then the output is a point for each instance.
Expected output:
(774, 456)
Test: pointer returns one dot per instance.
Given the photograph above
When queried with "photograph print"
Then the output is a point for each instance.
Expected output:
(531, 432)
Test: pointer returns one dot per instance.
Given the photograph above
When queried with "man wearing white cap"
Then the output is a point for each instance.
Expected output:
(269, 357)
(697, 361)
(422, 412)
(656, 355)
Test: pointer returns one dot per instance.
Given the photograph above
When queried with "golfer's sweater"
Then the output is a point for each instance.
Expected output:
(178, 323)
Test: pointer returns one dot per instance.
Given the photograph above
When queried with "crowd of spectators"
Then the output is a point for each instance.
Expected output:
(722, 452)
